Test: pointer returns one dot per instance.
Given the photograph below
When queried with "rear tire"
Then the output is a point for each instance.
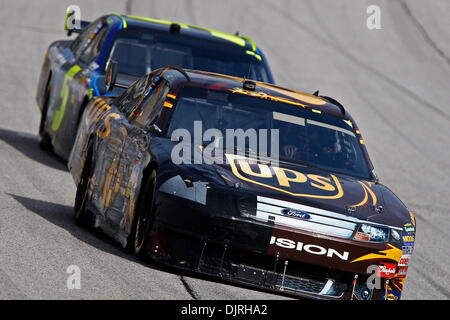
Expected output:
(144, 218)
(83, 216)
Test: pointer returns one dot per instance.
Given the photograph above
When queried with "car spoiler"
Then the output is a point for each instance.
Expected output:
(82, 24)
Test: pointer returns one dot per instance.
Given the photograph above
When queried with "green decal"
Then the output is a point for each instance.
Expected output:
(59, 114)
(124, 22)
(257, 56)
(90, 93)
(167, 22)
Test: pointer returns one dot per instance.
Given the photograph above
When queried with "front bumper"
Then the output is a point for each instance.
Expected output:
(185, 235)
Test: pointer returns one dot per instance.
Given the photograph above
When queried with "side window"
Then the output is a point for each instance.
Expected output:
(94, 47)
(85, 38)
(133, 96)
(147, 112)
(132, 57)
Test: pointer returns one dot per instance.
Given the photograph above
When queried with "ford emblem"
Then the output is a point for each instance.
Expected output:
(296, 214)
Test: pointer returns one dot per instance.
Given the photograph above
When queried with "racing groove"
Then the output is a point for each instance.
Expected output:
(394, 81)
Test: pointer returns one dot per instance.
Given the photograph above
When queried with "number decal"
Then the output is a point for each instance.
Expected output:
(59, 114)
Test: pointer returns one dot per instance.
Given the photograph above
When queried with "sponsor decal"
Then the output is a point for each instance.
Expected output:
(296, 214)
(404, 260)
(387, 270)
(402, 272)
(392, 295)
(407, 250)
(308, 248)
(285, 180)
(65, 91)
(362, 236)
(409, 228)
(408, 240)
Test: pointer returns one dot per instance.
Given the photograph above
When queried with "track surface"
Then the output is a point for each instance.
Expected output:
(395, 81)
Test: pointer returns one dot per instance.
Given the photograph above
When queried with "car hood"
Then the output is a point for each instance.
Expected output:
(293, 183)
(287, 183)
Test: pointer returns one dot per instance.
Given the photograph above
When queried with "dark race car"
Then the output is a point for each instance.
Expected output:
(73, 70)
(307, 218)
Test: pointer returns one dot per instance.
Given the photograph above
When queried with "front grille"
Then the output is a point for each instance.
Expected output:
(298, 284)
(261, 270)
(256, 268)
(319, 220)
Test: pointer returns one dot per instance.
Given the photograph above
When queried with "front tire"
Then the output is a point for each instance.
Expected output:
(144, 217)
(45, 142)
(83, 216)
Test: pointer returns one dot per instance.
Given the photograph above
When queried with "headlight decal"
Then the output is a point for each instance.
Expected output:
(370, 233)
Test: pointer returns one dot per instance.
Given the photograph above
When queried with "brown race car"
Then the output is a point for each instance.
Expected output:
(308, 218)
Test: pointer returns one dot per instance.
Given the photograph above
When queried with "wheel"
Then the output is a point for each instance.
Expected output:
(144, 217)
(82, 216)
(45, 142)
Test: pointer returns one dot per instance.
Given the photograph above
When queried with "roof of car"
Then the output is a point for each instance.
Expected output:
(188, 30)
(268, 91)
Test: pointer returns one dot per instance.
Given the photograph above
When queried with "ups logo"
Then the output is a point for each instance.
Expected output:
(285, 180)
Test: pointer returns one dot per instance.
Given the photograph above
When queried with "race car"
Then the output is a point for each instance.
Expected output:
(73, 70)
(160, 168)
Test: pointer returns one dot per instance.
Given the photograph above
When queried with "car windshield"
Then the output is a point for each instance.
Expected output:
(139, 51)
(300, 136)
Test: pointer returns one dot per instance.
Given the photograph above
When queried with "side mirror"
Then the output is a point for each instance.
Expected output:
(111, 75)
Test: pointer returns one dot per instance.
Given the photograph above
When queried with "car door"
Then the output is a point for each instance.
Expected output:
(111, 130)
(74, 81)
(141, 119)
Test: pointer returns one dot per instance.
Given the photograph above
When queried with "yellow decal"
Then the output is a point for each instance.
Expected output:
(107, 130)
(110, 190)
(59, 114)
(166, 22)
(390, 254)
(304, 97)
(367, 191)
(413, 218)
(263, 95)
(349, 123)
(285, 180)
(167, 104)
(99, 114)
(263, 169)
(323, 182)
(257, 56)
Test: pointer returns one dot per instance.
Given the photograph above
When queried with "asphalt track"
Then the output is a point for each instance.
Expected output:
(395, 81)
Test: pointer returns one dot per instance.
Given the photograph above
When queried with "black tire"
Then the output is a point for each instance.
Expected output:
(80, 114)
(83, 216)
(144, 218)
(45, 142)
